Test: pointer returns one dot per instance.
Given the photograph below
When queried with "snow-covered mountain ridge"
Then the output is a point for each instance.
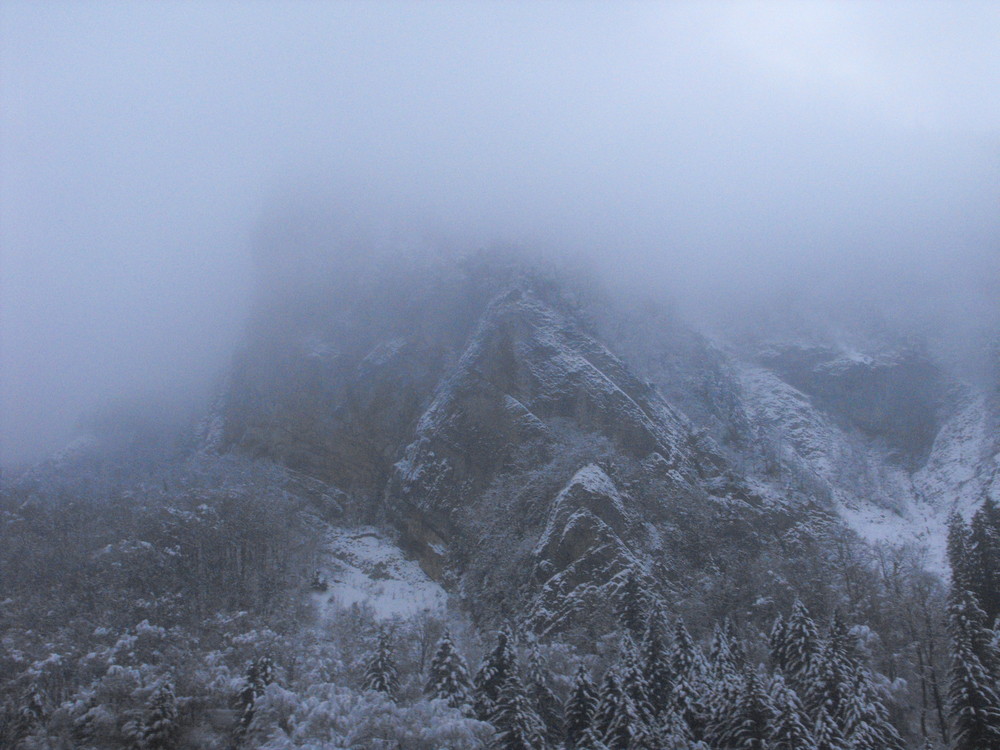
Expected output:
(881, 495)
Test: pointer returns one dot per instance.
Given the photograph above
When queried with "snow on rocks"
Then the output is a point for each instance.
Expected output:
(878, 498)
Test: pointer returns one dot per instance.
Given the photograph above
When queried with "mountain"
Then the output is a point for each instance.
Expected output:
(532, 442)
(401, 460)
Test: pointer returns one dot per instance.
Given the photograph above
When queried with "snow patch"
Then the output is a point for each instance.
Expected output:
(361, 566)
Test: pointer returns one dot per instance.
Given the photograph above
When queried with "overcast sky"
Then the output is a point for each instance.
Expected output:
(721, 150)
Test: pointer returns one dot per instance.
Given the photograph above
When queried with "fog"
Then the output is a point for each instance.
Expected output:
(726, 155)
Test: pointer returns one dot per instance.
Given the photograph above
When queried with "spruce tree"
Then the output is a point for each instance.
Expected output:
(688, 668)
(687, 700)
(722, 702)
(776, 642)
(736, 649)
(841, 640)
(829, 681)
(542, 698)
(260, 674)
(826, 733)
(975, 705)
(751, 726)
(448, 677)
(790, 730)
(609, 695)
(380, 671)
(983, 554)
(967, 620)
(865, 721)
(958, 553)
(720, 655)
(32, 708)
(655, 661)
(591, 740)
(634, 680)
(492, 675)
(672, 733)
(686, 659)
(580, 707)
(832, 673)
(632, 603)
(159, 727)
(617, 719)
(801, 642)
(518, 726)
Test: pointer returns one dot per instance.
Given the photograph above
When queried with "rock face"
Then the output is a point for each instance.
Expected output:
(536, 453)
(581, 553)
(896, 397)
(332, 386)
(528, 370)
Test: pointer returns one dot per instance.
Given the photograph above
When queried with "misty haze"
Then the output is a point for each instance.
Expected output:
(516, 376)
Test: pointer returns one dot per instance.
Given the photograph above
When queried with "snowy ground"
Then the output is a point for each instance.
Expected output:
(361, 566)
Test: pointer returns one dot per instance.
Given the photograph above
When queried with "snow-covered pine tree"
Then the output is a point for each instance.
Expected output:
(448, 677)
(591, 740)
(580, 708)
(841, 640)
(975, 705)
(540, 695)
(634, 680)
(492, 674)
(829, 680)
(686, 659)
(966, 617)
(672, 733)
(801, 642)
(720, 657)
(83, 729)
(617, 719)
(380, 671)
(159, 726)
(958, 552)
(752, 722)
(608, 698)
(736, 649)
(687, 665)
(636, 735)
(654, 658)
(260, 674)
(264, 675)
(688, 701)
(790, 731)
(32, 710)
(984, 557)
(722, 699)
(776, 644)
(518, 725)
(826, 733)
(865, 722)
(831, 672)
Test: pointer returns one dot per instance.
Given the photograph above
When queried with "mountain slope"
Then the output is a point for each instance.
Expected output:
(530, 450)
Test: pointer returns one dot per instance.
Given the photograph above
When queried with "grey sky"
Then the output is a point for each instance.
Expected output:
(718, 149)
